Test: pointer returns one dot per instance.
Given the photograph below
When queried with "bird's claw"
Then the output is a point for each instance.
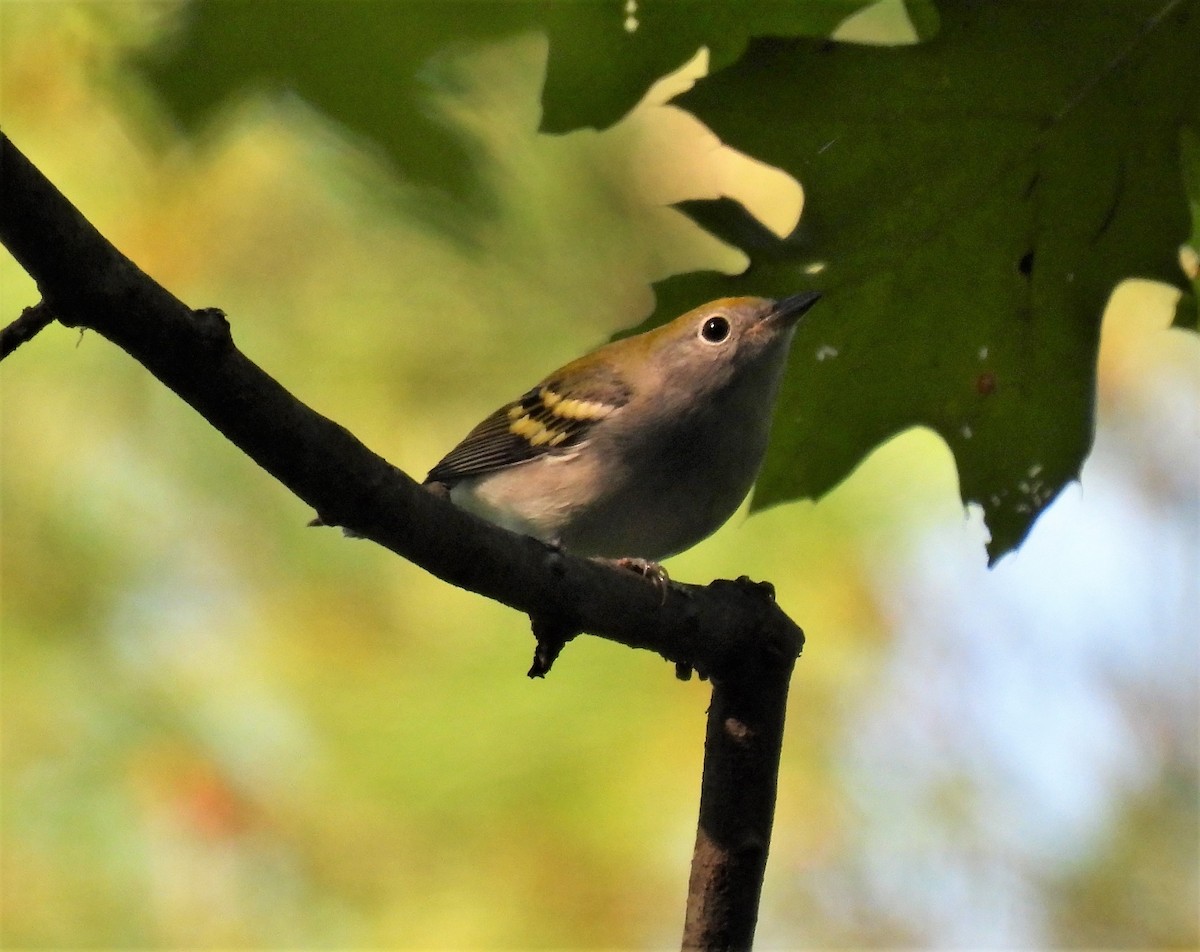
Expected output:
(649, 570)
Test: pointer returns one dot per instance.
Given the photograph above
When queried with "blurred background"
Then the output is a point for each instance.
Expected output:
(221, 728)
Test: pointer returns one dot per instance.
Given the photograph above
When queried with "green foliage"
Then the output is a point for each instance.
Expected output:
(602, 61)
(972, 200)
(375, 67)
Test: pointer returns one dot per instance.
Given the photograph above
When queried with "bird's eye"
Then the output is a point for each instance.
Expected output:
(715, 329)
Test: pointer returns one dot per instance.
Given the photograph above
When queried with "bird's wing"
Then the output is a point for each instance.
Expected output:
(550, 418)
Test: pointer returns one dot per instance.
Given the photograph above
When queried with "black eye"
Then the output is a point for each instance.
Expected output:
(715, 329)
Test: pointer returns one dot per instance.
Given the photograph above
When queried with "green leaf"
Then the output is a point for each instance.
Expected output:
(605, 55)
(971, 202)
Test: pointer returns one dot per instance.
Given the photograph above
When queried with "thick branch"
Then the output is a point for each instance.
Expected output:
(742, 748)
(87, 282)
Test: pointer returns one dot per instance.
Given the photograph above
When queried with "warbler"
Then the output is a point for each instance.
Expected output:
(641, 448)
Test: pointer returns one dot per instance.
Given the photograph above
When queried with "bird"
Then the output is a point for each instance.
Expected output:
(640, 449)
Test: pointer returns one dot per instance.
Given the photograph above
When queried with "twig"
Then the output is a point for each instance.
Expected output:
(32, 320)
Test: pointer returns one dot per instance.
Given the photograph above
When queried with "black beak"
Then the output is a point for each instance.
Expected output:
(790, 309)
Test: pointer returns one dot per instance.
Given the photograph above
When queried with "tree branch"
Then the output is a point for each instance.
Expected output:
(726, 631)
(32, 321)
(742, 747)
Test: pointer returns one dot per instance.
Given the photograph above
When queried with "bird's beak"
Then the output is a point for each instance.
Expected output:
(790, 309)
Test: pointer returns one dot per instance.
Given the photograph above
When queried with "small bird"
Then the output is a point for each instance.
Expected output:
(641, 448)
